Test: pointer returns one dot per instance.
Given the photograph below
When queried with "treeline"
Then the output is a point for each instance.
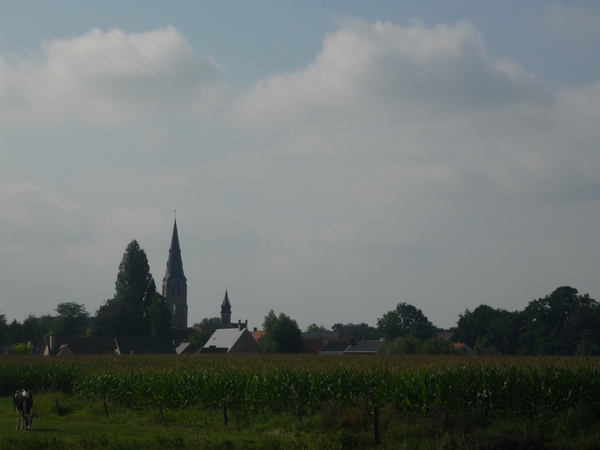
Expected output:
(562, 323)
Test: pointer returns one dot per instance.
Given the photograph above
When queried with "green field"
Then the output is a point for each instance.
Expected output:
(304, 402)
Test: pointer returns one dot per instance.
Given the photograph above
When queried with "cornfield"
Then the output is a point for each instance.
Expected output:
(492, 387)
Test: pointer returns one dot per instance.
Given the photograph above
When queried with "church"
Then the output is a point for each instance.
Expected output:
(174, 290)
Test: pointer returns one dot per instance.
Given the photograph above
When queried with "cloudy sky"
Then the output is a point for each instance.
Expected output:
(327, 160)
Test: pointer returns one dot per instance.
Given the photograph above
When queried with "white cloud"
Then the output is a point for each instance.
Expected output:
(109, 77)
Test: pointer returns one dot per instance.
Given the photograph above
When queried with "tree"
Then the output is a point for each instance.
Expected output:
(357, 331)
(559, 322)
(199, 338)
(404, 320)
(410, 345)
(473, 325)
(31, 330)
(127, 313)
(71, 319)
(14, 332)
(282, 335)
(3, 329)
(208, 321)
(504, 331)
(314, 328)
(160, 317)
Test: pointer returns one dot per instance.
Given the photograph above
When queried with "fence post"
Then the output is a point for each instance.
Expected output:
(225, 412)
(57, 408)
(105, 408)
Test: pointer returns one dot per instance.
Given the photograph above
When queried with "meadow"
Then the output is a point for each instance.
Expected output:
(304, 401)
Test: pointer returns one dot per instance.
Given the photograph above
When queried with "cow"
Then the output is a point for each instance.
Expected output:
(23, 402)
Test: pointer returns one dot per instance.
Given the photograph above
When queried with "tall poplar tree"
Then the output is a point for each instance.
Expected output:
(127, 313)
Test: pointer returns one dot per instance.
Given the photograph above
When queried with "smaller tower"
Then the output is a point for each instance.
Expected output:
(226, 310)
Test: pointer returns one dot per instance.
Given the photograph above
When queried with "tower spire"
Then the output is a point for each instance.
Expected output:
(174, 287)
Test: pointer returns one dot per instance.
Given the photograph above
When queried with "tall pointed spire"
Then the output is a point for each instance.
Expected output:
(174, 263)
(225, 310)
(174, 288)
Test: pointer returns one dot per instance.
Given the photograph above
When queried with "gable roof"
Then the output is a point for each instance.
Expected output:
(364, 347)
(259, 334)
(78, 345)
(465, 348)
(335, 346)
(320, 335)
(186, 348)
(144, 346)
(313, 345)
(231, 340)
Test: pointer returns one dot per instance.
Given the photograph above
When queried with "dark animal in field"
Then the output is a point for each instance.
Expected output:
(23, 402)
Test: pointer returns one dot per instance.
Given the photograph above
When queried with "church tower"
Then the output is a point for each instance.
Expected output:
(174, 288)
(226, 310)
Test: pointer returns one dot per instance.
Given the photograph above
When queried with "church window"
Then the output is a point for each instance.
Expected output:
(174, 309)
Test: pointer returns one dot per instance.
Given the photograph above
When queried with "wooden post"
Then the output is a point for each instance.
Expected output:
(57, 408)
(376, 424)
(225, 413)
(105, 408)
(299, 413)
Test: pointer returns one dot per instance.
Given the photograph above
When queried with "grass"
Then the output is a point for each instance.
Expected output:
(79, 424)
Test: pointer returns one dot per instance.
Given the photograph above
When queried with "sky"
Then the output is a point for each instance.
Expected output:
(326, 159)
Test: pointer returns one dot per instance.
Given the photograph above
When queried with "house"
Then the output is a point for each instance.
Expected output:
(258, 334)
(335, 347)
(465, 349)
(231, 340)
(144, 346)
(68, 346)
(364, 347)
(313, 346)
(186, 348)
(71, 346)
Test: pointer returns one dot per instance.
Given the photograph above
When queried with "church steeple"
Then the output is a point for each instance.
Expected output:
(174, 287)
(226, 310)
(174, 263)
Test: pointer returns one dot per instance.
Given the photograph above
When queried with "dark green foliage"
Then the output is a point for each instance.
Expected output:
(314, 328)
(358, 331)
(208, 320)
(160, 317)
(562, 323)
(472, 325)
(404, 320)
(14, 333)
(71, 319)
(3, 329)
(127, 313)
(282, 335)
(410, 345)
(199, 338)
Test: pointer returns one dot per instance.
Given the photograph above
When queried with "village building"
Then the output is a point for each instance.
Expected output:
(71, 346)
(231, 340)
